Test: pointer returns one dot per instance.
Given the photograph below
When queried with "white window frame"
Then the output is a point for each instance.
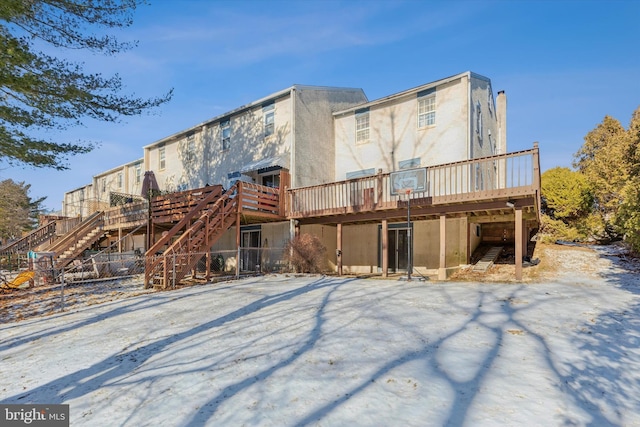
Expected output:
(162, 158)
(225, 134)
(427, 110)
(269, 122)
(138, 173)
(120, 180)
(190, 150)
(363, 122)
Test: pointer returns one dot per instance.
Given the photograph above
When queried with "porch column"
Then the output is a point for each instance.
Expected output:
(469, 231)
(442, 271)
(119, 239)
(385, 248)
(339, 249)
(519, 238)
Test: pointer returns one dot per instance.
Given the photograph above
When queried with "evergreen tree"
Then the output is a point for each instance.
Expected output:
(40, 92)
(18, 212)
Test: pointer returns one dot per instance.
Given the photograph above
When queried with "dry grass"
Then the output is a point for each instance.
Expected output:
(554, 261)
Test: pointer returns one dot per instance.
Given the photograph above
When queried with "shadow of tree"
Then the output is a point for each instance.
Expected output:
(591, 365)
(120, 365)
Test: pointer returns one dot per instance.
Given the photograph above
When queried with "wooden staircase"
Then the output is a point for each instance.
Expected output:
(189, 240)
(80, 238)
(31, 241)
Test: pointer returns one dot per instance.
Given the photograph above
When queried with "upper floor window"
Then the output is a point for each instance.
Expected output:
(269, 119)
(427, 108)
(103, 184)
(138, 173)
(408, 164)
(119, 179)
(190, 151)
(362, 126)
(161, 158)
(225, 134)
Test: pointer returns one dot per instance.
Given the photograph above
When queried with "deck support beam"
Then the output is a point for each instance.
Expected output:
(518, 241)
(238, 243)
(339, 249)
(442, 270)
(385, 248)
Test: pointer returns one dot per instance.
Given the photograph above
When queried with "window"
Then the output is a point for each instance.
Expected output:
(103, 184)
(362, 126)
(190, 151)
(161, 158)
(361, 173)
(271, 180)
(269, 119)
(427, 108)
(408, 164)
(479, 129)
(119, 179)
(138, 173)
(225, 134)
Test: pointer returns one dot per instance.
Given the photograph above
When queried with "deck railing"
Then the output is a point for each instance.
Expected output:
(505, 175)
(131, 214)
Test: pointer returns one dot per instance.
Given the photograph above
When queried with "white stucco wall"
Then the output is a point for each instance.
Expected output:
(314, 149)
(210, 164)
(395, 136)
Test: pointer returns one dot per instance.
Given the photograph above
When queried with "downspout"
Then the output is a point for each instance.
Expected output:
(469, 119)
(292, 159)
(293, 139)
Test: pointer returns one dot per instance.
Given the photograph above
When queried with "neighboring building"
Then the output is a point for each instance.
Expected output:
(79, 202)
(255, 141)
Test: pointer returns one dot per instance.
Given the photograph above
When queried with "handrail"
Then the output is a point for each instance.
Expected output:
(132, 212)
(184, 221)
(31, 240)
(71, 238)
(196, 234)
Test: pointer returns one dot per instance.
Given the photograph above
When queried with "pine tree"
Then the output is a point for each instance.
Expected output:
(40, 92)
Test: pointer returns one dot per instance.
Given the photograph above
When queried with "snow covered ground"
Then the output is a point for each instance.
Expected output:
(285, 351)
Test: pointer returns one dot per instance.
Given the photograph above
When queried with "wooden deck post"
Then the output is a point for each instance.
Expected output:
(385, 248)
(519, 239)
(442, 270)
(238, 243)
(339, 249)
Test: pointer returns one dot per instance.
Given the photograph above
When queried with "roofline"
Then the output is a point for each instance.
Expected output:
(79, 188)
(117, 168)
(407, 92)
(274, 96)
(217, 118)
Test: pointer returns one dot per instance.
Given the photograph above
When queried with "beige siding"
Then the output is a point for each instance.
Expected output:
(78, 202)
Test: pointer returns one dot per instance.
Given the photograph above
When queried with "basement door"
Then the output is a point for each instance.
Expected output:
(398, 252)
(250, 259)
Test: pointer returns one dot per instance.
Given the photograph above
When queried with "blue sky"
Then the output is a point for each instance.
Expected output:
(564, 65)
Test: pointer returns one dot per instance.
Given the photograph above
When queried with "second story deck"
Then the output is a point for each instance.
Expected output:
(482, 186)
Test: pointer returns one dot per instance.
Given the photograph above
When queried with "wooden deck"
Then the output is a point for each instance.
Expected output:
(472, 187)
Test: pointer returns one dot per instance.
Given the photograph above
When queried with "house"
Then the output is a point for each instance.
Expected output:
(416, 179)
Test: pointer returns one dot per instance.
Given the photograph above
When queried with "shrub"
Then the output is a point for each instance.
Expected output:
(305, 254)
